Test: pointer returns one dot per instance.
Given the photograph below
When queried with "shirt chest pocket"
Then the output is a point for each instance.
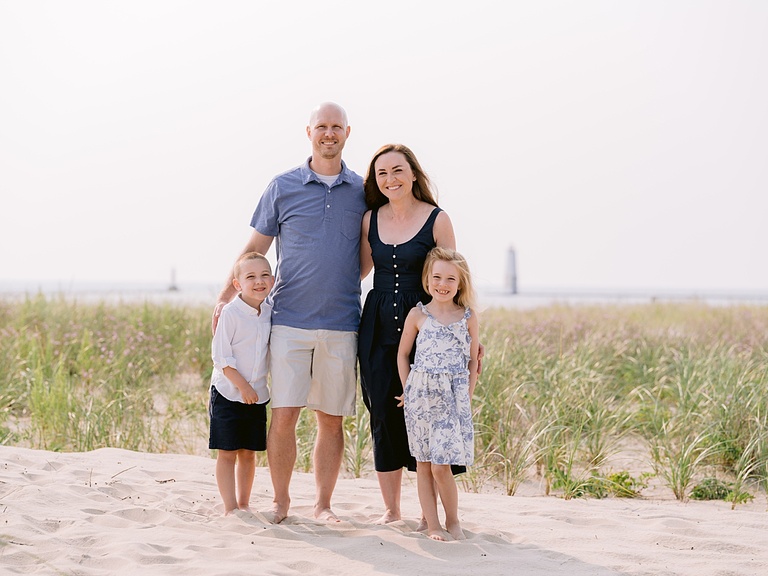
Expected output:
(351, 222)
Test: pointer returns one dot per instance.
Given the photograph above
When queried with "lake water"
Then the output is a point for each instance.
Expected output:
(490, 297)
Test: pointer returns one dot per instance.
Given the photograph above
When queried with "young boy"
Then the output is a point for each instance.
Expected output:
(239, 393)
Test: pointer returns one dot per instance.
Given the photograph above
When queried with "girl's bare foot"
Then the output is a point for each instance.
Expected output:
(455, 531)
(438, 535)
(422, 526)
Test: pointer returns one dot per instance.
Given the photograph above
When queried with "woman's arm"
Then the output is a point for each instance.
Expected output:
(366, 259)
(442, 231)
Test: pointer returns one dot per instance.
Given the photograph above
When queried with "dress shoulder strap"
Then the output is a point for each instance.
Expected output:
(373, 228)
(433, 216)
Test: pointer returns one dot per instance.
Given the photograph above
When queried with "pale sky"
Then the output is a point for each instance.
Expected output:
(616, 145)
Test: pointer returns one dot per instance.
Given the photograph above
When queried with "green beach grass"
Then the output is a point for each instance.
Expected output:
(565, 390)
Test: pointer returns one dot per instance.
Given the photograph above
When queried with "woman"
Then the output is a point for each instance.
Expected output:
(403, 224)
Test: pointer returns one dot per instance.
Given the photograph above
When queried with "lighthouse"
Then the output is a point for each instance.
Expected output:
(511, 280)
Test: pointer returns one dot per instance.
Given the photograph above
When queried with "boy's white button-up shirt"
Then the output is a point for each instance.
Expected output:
(242, 342)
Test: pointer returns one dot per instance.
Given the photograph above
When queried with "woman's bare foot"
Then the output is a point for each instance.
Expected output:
(278, 514)
(455, 531)
(326, 514)
(388, 517)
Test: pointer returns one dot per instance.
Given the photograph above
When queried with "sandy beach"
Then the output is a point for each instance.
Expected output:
(114, 511)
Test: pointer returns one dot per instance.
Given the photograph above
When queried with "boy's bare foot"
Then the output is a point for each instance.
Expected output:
(455, 531)
(326, 514)
(388, 517)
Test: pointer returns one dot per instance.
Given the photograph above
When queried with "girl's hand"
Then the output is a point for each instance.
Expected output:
(480, 354)
(401, 400)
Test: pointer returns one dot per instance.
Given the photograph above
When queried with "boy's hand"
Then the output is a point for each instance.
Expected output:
(249, 395)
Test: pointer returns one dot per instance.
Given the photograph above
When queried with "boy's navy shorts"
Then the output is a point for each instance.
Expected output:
(236, 426)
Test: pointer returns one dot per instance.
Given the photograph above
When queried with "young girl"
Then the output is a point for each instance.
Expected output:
(439, 384)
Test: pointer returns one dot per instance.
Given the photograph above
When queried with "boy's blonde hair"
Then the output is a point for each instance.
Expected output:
(249, 256)
(466, 294)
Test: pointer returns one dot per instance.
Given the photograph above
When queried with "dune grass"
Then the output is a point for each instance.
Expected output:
(563, 391)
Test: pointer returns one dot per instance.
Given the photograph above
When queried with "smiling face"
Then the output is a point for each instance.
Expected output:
(443, 282)
(254, 280)
(328, 131)
(394, 175)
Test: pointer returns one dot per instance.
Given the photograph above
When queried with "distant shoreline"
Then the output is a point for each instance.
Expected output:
(490, 297)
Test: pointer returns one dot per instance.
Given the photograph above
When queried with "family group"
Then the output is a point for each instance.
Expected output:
(415, 341)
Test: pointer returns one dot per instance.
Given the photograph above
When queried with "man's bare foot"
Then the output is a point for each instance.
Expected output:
(388, 517)
(422, 526)
(455, 531)
(278, 514)
(326, 514)
(438, 535)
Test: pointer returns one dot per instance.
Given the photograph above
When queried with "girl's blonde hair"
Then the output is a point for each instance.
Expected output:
(465, 296)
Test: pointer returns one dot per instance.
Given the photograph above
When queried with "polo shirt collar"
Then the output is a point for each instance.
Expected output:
(307, 174)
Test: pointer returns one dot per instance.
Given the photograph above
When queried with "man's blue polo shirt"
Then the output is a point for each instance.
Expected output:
(317, 231)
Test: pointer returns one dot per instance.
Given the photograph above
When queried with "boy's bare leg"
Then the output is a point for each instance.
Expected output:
(326, 459)
(245, 471)
(390, 484)
(449, 496)
(281, 456)
(428, 499)
(225, 478)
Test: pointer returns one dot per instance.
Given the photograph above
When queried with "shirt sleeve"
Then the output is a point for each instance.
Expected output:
(266, 217)
(221, 345)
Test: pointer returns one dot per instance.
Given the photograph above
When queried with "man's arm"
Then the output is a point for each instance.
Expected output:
(258, 242)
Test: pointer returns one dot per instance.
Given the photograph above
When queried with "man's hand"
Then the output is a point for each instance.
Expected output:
(215, 317)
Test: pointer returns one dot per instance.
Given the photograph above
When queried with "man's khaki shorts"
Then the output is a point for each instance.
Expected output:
(313, 368)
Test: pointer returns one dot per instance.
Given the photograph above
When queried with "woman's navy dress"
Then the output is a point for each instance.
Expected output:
(396, 289)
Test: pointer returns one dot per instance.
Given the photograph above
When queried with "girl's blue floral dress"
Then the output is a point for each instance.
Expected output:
(438, 413)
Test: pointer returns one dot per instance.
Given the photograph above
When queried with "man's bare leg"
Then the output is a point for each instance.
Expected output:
(281, 456)
(390, 485)
(326, 459)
